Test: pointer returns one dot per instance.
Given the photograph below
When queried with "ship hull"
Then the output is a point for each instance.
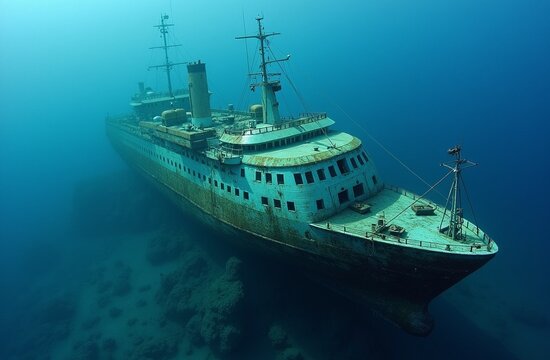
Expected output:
(395, 281)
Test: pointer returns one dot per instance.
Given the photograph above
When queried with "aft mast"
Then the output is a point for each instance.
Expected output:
(163, 28)
(270, 105)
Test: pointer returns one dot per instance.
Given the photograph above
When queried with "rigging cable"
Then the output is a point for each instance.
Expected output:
(384, 148)
(468, 198)
(246, 88)
(421, 196)
(246, 44)
(300, 97)
(298, 94)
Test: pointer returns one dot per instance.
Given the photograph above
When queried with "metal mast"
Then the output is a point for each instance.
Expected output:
(269, 100)
(454, 229)
(163, 28)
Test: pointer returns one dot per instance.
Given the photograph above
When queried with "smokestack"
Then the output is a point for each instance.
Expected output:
(199, 96)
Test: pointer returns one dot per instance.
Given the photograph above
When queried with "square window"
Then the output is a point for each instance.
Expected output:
(358, 190)
(353, 163)
(365, 156)
(216, 183)
(222, 186)
(194, 174)
(309, 177)
(332, 171)
(258, 176)
(237, 191)
(245, 195)
(298, 179)
(242, 172)
(321, 174)
(290, 206)
(360, 160)
(280, 179)
(374, 179)
(320, 204)
(268, 178)
(343, 166)
(277, 203)
(343, 196)
(228, 188)
(210, 180)
(265, 201)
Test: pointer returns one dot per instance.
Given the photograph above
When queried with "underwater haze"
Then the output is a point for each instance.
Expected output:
(94, 264)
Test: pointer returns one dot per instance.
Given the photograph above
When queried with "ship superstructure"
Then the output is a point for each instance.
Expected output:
(307, 191)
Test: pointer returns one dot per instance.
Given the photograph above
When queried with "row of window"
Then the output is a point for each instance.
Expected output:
(278, 204)
(342, 165)
(186, 153)
(221, 185)
(358, 190)
(282, 142)
(230, 189)
(194, 173)
(343, 196)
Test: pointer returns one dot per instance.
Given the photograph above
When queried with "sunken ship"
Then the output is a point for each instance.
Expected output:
(301, 189)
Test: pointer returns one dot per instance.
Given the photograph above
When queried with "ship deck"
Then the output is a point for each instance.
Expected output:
(420, 231)
(319, 148)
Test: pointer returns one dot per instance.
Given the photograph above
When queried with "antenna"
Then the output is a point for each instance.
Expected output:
(269, 101)
(163, 28)
(454, 229)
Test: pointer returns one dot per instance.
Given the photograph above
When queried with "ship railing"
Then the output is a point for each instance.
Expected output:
(226, 152)
(120, 117)
(126, 122)
(376, 236)
(304, 119)
(226, 112)
(158, 95)
(487, 240)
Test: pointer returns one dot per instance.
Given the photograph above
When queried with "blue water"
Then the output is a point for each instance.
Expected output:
(419, 77)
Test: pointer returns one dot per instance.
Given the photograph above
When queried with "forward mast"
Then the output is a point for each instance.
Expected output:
(454, 228)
